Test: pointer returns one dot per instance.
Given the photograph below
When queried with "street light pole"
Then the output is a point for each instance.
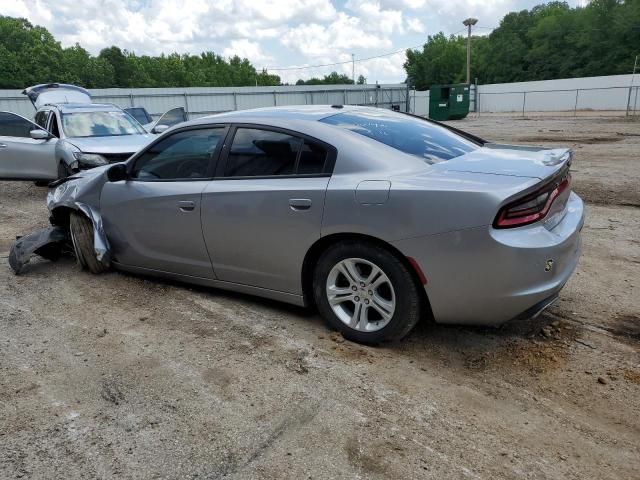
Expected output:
(469, 22)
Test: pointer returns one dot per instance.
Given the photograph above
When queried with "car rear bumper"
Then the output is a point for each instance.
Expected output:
(485, 276)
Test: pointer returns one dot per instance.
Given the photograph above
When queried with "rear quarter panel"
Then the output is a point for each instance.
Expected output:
(419, 203)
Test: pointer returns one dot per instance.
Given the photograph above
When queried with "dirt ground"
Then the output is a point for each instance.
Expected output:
(122, 376)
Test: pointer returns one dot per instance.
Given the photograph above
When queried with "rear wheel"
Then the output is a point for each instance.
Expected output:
(81, 230)
(366, 293)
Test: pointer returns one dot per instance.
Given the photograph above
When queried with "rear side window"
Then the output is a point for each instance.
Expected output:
(313, 158)
(260, 153)
(427, 141)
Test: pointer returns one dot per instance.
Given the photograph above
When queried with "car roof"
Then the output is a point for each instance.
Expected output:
(295, 112)
(85, 107)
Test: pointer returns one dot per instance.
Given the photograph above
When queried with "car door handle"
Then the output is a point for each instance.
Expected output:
(3, 145)
(186, 206)
(300, 203)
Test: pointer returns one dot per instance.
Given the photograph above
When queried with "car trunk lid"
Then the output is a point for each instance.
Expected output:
(512, 160)
(53, 93)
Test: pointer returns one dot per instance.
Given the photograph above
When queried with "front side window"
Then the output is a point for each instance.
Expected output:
(53, 125)
(12, 125)
(183, 155)
(99, 124)
(259, 153)
(41, 118)
(140, 114)
(427, 141)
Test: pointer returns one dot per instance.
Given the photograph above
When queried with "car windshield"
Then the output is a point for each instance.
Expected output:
(428, 141)
(99, 124)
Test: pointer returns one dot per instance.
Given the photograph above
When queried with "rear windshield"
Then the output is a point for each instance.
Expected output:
(430, 142)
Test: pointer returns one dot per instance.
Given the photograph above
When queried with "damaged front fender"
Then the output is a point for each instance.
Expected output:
(82, 193)
(100, 242)
(49, 243)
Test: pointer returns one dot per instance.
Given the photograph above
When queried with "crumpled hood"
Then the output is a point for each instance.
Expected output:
(112, 144)
(513, 160)
(83, 186)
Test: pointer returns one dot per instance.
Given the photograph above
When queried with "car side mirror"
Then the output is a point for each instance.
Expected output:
(160, 128)
(39, 134)
(117, 172)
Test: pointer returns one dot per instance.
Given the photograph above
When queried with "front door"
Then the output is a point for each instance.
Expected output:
(152, 219)
(264, 210)
(23, 157)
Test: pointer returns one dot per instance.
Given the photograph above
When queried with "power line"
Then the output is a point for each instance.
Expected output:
(357, 60)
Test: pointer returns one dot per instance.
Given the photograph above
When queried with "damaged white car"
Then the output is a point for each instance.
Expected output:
(69, 134)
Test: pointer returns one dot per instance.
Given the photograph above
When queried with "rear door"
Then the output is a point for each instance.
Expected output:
(264, 209)
(22, 157)
(152, 219)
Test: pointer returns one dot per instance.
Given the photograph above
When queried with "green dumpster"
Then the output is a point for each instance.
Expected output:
(449, 102)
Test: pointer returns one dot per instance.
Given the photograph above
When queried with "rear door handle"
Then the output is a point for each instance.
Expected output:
(186, 206)
(300, 203)
(3, 145)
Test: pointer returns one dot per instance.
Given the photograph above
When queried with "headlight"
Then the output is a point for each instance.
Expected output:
(90, 159)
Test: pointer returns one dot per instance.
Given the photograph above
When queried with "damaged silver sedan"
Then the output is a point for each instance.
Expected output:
(375, 217)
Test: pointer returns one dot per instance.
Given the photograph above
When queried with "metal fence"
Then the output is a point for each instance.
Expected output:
(200, 101)
(614, 98)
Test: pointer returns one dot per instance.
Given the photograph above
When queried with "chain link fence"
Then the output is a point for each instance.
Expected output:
(578, 100)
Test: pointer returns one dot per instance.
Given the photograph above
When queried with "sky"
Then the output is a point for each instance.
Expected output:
(272, 34)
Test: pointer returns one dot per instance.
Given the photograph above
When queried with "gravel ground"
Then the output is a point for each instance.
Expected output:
(122, 376)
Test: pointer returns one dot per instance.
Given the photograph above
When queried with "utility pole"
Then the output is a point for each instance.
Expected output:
(353, 68)
(469, 22)
(635, 64)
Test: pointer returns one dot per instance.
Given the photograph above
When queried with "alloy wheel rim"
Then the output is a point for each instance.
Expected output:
(361, 294)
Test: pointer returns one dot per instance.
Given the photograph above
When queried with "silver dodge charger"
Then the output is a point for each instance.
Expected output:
(377, 218)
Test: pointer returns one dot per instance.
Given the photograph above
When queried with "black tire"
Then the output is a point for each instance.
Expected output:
(407, 297)
(81, 230)
(63, 170)
(42, 183)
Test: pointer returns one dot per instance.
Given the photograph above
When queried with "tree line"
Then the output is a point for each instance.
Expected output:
(30, 55)
(549, 41)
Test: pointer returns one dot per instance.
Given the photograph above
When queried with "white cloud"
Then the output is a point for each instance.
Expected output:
(344, 33)
(245, 48)
(268, 32)
(415, 25)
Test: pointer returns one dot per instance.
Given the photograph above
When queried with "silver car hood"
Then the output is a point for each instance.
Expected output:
(514, 160)
(111, 144)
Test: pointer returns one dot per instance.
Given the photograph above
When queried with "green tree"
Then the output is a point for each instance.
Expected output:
(334, 78)
(442, 60)
(361, 80)
(28, 54)
(549, 41)
(123, 69)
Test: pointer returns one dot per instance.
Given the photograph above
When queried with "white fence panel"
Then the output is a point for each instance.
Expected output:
(201, 101)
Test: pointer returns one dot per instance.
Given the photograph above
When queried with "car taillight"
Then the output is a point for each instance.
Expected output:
(531, 208)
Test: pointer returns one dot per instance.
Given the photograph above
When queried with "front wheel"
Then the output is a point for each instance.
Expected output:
(366, 292)
(81, 230)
